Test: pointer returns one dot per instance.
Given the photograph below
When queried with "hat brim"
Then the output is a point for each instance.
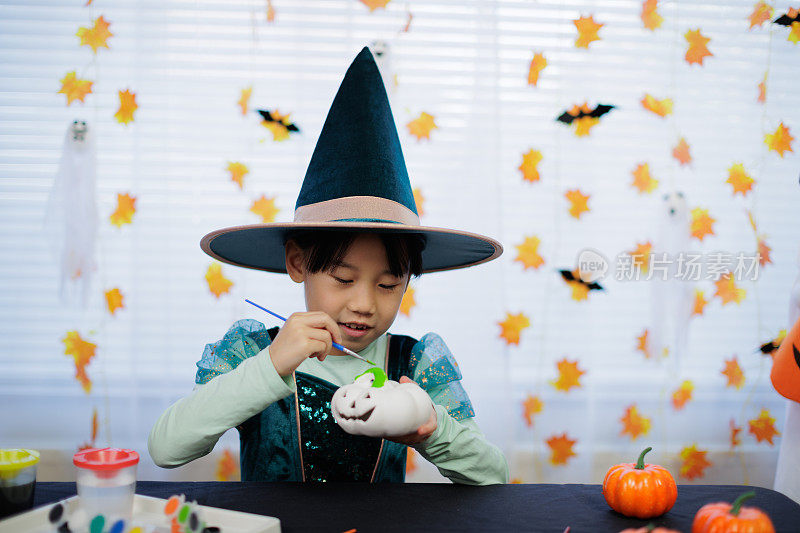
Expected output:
(261, 246)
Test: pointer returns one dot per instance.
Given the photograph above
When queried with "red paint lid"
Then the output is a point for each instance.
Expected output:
(105, 458)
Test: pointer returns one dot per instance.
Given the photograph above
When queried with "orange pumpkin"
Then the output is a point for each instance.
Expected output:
(722, 516)
(640, 490)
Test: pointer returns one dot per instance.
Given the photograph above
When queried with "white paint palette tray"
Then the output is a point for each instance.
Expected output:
(148, 515)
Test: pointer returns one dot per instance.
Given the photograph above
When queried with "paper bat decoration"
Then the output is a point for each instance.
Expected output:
(769, 347)
(279, 124)
(793, 15)
(567, 117)
(569, 275)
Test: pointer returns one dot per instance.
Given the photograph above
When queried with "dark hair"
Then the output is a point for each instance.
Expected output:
(324, 249)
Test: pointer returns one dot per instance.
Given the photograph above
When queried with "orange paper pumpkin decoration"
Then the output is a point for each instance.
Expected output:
(640, 490)
(722, 516)
(785, 373)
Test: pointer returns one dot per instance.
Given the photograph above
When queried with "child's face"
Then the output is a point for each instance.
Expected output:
(360, 293)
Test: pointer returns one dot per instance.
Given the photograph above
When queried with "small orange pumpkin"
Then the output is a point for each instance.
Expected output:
(722, 516)
(640, 490)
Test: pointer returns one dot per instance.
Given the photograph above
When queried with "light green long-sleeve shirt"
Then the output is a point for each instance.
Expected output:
(191, 427)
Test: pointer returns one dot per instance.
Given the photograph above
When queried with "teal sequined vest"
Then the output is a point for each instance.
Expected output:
(296, 438)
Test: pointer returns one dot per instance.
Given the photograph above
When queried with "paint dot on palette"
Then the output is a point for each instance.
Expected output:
(172, 505)
(97, 524)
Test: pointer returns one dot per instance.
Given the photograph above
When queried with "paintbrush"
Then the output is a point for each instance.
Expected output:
(335, 344)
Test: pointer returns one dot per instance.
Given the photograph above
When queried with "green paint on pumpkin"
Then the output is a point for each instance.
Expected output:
(380, 376)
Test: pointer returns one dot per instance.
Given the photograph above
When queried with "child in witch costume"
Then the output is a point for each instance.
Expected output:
(354, 243)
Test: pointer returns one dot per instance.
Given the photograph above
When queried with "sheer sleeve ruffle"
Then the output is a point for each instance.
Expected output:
(243, 340)
(437, 372)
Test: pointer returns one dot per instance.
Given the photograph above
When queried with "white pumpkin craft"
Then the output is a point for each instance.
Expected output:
(377, 407)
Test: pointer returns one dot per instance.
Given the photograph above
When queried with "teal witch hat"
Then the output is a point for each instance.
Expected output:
(356, 181)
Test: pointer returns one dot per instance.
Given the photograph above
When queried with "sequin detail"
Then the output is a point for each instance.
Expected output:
(243, 340)
(437, 372)
(330, 454)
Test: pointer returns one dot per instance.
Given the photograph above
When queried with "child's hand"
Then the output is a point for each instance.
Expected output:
(303, 335)
(422, 432)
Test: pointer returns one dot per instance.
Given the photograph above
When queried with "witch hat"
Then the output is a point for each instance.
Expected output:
(356, 181)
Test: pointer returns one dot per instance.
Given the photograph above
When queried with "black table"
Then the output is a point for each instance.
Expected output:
(412, 507)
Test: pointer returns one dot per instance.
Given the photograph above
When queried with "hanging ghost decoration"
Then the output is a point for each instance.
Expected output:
(671, 295)
(377, 407)
(381, 51)
(71, 217)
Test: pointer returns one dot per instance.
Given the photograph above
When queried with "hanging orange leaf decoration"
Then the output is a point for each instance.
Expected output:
(643, 344)
(794, 35)
(650, 17)
(762, 12)
(733, 372)
(682, 394)
(421, 126)
(512, 326)
(114, 300)
(697, 47)
(579, 202)
(411, 460)
(94, 425)
(738, 178)
(583, 120)
(217, 283)
(780, 141)
(580, 291)
(96, 36)
(734, 434)
(126, 207)
(633, 423)
(529, 165)
(560, 448)
(528, 253)
(408, 302)
(244, 100)
(587, 31)
(763, 427)
(641, 256)
(531, 406)
(419, 201)
(82, 352)
(74, 88)
(238, 172)
(700, 302)
(642, 180)
(702, 224)
(226, 466)
(752, 220)
(762, 90)
(127, 106)
(681, 152)
(375, 4)
(728, 291)
(763, 251)
(569, 375)
(662, 107)
(265, 208)
(694, 462)
(537, 65)
(278, 124)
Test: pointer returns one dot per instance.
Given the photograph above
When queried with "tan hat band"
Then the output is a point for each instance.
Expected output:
(356, 208)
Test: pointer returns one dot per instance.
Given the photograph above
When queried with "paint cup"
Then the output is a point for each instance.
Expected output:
(106, 481)
(17, 480)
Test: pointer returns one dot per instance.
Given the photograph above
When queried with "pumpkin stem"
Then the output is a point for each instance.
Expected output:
(737, 504)
(640, 462)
